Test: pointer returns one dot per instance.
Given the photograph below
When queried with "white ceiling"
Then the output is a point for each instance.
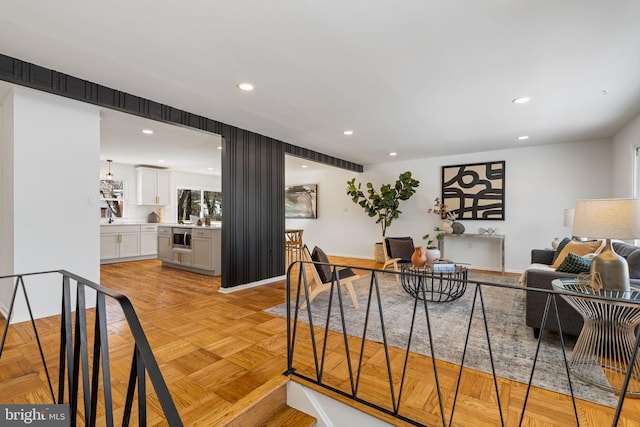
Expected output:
(421, 78)
(180, 149)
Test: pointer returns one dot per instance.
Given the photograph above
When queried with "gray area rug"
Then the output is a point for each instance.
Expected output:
(512, 342)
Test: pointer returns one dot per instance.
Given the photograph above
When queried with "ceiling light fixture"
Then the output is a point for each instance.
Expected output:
(523, 137)
(209, 169)
(109, 176)
(348, 132)
(160, 161)
(245, 87)
(304, 166)
(220, 147)
(393, 154)
(522, 100)
(147, 131)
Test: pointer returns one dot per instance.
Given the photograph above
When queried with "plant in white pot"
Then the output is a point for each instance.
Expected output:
(433, 251)
(383, 204)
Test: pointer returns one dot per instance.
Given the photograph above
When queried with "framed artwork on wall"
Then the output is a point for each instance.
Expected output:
(474, 191)
(301, 201)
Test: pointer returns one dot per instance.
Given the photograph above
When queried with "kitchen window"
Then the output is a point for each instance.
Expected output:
(200, 203)
(111, 198)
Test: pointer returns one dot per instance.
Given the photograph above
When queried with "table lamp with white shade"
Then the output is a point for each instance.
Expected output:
(608, 219)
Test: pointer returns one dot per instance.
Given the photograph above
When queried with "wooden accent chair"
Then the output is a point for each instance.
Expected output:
(323, 275)
(397, 250)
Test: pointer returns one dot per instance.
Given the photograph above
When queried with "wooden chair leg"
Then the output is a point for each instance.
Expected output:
(352, 293)
(314, 293)
(326, 286)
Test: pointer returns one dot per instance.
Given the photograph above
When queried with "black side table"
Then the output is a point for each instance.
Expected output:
(423, 283)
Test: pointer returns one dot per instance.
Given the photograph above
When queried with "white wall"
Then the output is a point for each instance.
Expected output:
(140, 213)
(625, 142)
(55, 217)
(540, 183)
(6, 197)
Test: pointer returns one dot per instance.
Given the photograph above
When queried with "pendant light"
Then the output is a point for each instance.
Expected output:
(109, 176)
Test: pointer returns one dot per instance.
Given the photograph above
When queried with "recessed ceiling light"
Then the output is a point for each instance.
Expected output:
(523, 137)
(522, 100)
(393, 154)
(160, 161)
(220, 147)
(348, 132)
(246, 87)
(209, 169)
(147, 131)
(304, 166)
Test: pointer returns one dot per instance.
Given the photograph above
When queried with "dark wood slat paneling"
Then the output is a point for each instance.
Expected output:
(253, 208)
(252, 169)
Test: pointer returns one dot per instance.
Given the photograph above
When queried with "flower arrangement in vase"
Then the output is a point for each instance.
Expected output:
(447, 217)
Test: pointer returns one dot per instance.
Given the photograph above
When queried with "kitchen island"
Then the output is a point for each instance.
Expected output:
(191, 247)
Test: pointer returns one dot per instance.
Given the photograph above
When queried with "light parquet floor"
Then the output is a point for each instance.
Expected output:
(213, 349)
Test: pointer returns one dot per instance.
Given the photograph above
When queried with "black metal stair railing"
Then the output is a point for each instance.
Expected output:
(299, 366)
(86, 377)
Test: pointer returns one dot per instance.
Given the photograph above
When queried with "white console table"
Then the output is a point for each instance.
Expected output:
(498, 238)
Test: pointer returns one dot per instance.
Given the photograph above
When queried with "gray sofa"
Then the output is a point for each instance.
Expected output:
(570, 320)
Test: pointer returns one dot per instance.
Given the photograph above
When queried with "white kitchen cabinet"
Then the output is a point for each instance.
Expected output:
(148, 240)
(153, 186)
(109, 246)
(181, 257)
(129, 244)
(119, 241)
(164, 244)
(201, 249)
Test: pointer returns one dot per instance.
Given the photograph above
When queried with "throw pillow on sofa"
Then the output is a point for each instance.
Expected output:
(575, 264)
(561, 246)
(577, 248)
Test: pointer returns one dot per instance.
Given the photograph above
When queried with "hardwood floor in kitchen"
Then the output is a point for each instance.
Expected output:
(213, 349)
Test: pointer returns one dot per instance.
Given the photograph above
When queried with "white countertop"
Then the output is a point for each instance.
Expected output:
(212, 226)
(128, 223)
(163, 224)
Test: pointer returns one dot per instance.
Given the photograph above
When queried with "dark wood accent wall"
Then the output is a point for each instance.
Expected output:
(321, 158)
(252, 169)
(255, 173)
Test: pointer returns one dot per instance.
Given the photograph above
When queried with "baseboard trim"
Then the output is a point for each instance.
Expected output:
(251, 285)
(125, 259)
(4, 311)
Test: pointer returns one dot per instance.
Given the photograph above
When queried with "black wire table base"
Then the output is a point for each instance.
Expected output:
(423, 283)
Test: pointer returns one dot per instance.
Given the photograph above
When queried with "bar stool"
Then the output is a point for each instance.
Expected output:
(293, 245)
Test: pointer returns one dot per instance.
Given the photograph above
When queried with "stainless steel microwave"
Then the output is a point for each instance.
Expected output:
(181, 238)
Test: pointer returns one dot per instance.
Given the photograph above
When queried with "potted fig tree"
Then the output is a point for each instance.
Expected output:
(383, 204)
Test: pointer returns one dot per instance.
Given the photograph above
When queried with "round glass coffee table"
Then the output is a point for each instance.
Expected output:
(423, 283)
(603, 352)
